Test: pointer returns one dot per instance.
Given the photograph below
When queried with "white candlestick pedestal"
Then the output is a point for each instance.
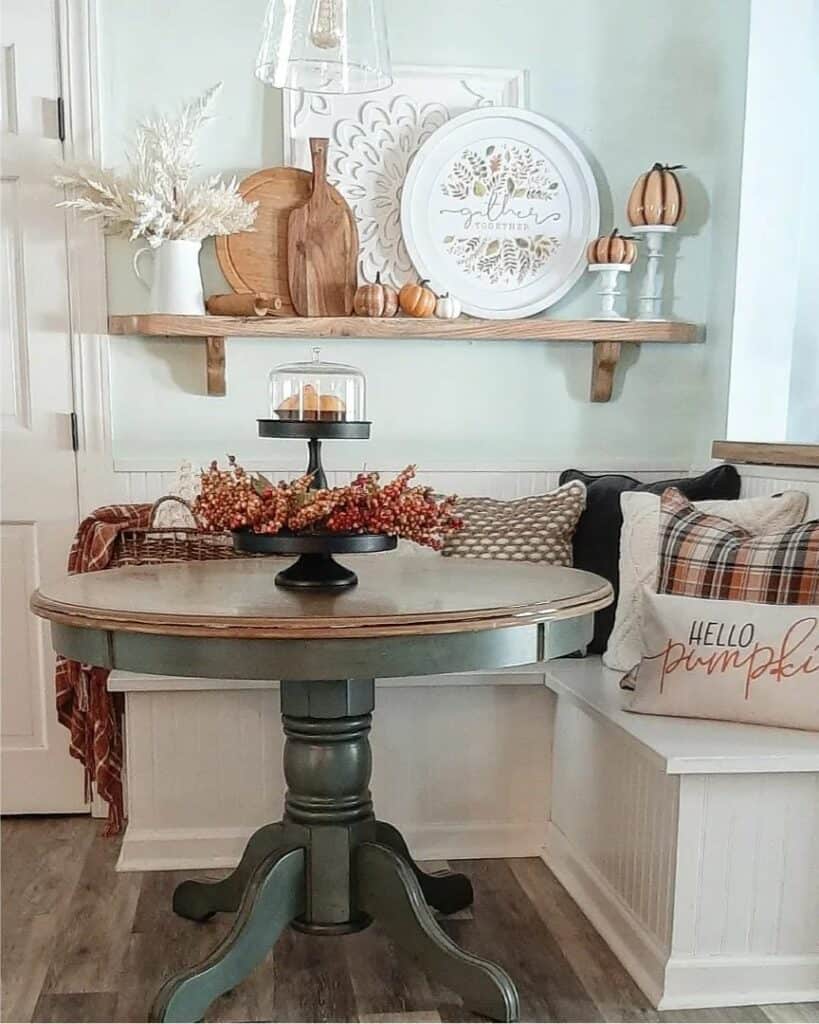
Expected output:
(650, 305)
(609, 273)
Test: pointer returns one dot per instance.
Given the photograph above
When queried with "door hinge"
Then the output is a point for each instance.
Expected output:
(75, 432)
(60, 119)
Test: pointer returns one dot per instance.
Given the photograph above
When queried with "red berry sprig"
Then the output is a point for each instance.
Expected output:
(233, 499)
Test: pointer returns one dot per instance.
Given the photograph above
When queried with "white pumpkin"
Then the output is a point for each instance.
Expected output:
(447, 307)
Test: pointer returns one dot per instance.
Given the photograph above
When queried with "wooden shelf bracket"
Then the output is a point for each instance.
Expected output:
(605, 359)
(216, 366)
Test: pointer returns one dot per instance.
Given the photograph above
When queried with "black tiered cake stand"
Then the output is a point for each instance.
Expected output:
(315, 569)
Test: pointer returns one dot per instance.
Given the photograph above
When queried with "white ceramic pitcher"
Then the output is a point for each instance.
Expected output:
(177, 281)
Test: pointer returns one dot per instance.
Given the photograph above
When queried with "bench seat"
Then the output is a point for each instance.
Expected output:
(691, 845)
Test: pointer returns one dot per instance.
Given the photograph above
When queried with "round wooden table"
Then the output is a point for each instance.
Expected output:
(328, 867)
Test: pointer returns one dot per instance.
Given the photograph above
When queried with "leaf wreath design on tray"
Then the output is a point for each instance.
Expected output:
(502, 260)
(504, 181)
(502, 170)
(369, 160)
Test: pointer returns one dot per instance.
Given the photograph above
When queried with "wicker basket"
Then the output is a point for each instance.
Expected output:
(153, 545)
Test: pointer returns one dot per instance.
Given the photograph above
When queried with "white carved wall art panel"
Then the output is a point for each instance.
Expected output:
(373, 140)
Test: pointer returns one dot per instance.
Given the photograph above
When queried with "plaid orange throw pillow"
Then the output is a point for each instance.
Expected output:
(703, 555)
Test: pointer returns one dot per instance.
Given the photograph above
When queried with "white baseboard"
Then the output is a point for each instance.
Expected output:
(693, 982)
(676, 982)
(189, 849)
(468, 841)
(181, 849)
(631, 942)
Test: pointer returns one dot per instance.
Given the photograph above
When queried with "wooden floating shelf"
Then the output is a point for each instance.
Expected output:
(761, 454)
(606, 336)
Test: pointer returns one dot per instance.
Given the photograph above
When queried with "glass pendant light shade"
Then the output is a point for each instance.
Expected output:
(336, 46)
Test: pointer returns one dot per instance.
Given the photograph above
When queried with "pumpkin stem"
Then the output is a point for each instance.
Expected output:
(423, 281)
(614, 233)
(658, 167)
(674, 167)
(378, 277)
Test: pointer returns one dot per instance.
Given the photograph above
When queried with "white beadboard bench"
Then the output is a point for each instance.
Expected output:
(204, 765)
(692, 846)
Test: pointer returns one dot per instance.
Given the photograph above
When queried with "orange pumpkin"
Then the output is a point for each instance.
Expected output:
(416, 300)
(657, 197)
(376, 299)
(613, 248)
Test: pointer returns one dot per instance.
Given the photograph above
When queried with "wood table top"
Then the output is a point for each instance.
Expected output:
(395, 595)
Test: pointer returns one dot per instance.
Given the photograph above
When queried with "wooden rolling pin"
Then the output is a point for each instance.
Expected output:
(243, 305)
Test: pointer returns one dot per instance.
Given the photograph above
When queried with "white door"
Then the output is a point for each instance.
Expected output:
(38, 501)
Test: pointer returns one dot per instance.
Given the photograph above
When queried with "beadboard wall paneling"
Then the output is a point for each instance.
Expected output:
(743, 852)
(146, 480)
(134, 484)
(461, 762)
(610, 802)
(758, 481)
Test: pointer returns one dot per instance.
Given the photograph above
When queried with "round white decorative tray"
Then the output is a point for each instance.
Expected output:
(497, 209)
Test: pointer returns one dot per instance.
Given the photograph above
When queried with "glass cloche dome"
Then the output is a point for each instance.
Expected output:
(318, 391)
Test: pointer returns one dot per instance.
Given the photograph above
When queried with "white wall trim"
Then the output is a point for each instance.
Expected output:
(86, 260)
(285, 460)
(215, 849)
(693, 982)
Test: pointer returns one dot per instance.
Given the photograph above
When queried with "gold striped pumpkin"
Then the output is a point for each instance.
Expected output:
(657, 197)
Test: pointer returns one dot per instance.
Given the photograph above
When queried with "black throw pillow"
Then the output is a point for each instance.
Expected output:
(596, 542)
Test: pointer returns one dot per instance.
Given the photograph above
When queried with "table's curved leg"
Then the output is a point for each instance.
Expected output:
(388, 891)
(448, 892)
(199, 901)
(275, 895)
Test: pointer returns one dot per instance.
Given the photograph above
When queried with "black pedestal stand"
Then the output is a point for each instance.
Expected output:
(316, 569)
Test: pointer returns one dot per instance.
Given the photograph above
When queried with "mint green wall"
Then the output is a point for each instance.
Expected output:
(633, 80)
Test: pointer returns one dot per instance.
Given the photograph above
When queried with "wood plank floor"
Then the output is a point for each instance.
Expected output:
(83, 943)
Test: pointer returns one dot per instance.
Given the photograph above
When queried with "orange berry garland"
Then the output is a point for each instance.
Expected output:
(233, 499)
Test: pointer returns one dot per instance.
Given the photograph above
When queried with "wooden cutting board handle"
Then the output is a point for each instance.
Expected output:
(318, 154)
(322, 247)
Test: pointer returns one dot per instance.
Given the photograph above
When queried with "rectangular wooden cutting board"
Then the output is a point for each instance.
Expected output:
(322, 247)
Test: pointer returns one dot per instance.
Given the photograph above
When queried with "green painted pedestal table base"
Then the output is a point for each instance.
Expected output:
(329, 867)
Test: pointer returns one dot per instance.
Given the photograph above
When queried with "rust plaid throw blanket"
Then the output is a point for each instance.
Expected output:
(84, 705)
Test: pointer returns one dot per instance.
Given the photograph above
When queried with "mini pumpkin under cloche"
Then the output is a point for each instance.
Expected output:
(317, 390)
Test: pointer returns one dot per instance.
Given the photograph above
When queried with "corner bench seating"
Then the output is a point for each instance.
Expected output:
(692, 846)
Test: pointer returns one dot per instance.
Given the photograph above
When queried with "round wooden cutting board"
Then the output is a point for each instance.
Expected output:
(256, 261)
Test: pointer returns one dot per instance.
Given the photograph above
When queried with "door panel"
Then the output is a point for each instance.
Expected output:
(38, 502)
